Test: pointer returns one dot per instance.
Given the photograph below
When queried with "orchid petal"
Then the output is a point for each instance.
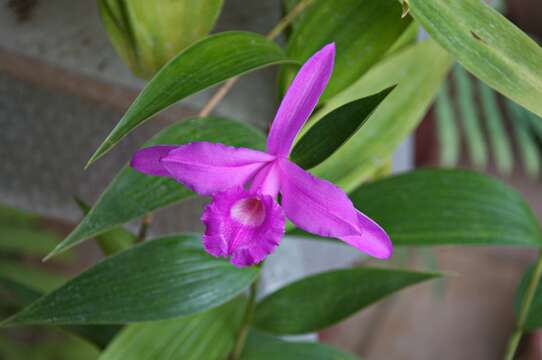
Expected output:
(267, 180)
(300, 100)
(147, 160)
(245, 226)
(321, 208)
(204, 167)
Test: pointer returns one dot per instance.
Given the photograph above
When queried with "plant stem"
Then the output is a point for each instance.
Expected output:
(513, 342)
(144, 228)
(245, 325)
(277, 29)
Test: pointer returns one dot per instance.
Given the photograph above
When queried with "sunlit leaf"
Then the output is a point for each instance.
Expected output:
(486, 44)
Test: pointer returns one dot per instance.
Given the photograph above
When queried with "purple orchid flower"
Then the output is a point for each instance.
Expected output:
(244, 220)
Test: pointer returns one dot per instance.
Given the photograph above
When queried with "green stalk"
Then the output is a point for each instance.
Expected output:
(513, 342)
(245, 325)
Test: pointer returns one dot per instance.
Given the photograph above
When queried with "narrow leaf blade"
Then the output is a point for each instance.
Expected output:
(208, 335)
(131, 194)
(158, 279)
(322, 300)
(208, 62)
(448, 207)
(335, 128)
(363, 31)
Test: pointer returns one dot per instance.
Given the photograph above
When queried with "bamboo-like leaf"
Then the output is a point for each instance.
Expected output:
(497, 134)
(449, 207)
(156, 280)
(208, 62)
(131, 194)
(486, 44)
(208, 335)
(469, 115)
(335, 128)
(418, 72)
(322, 300)
(363, 31)
(446, 128)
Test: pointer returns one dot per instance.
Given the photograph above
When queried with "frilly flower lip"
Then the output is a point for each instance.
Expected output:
(244, 222)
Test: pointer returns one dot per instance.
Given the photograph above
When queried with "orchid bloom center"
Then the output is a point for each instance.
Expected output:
(248, 211)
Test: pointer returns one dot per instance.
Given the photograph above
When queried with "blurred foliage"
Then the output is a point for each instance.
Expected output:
(147, 34)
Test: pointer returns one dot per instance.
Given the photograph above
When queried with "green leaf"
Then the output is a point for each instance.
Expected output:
(147, 34)
(132, 194)
(112, 241)
(363, 31)
(158, 279)
(321, 300)
(209, 335)
(447, 128)
(486, 44)
(336, 127)
(418, 71)
(448, 207)
(534, 318)
(16, 296)
(469, 114)
(261, 346)
(208, 62)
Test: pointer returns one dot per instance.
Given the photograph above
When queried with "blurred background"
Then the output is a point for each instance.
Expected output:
(63, 87)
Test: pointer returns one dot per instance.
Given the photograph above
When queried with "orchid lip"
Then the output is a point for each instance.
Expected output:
(249, 211)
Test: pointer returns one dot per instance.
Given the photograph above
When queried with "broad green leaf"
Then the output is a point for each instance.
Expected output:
(147, 34)
(208, 335)
(321, 300)
(495, 128)
(534, 318)
(112, 241)
(158, 279)
(208, 62)
(469, 114)
(328, 134)
(261, 346)
(448, 207)
(486, 44)
(132, 194)
(418, 71)
(447, 128)
(15, 296)
(363, 31)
